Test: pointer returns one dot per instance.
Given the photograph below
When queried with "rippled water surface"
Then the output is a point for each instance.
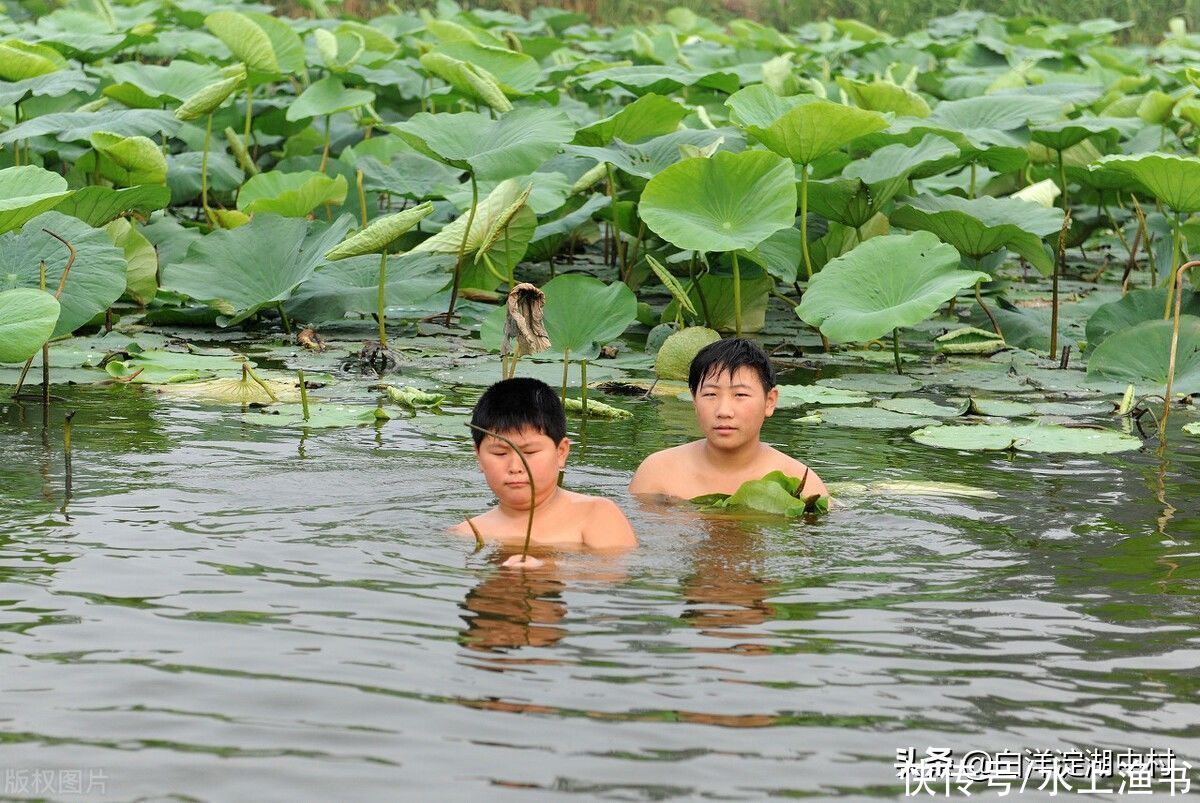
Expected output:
(224, 612)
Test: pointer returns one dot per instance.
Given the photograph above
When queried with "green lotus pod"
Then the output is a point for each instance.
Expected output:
(376, 237)
(210, 98)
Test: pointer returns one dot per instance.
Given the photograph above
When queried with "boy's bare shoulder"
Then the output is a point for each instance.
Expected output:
(667, 456)
(657, 469)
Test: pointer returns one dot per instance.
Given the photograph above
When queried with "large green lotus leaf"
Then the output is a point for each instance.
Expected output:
(849, 201)
(980, 226)
(1136, 306)
(550, 235)
(263, 43)
(775, 494)
(290, 194)
(130, 160)
(649, 158)
(760, 106)
(812, 130)
(1174, 180)
(675, 355)
(659, 79)
(96, 205)
(141, 277)
(409, 175)
(97, 276)
(352, 285)
(516, 73)
(868, 382)
(1141, 355)
(502, 228)
(1026, 438)
(20, 61)
(327, 96)
(381, 233)
(26, 192)
(803, 395)
(150, 86)
(75, 126)
(921, 407)
(514, 145)
(726, 202)
(55, 85)
(984, 117)
(27, 319)
(254, 266)
(873, 418)
(648, 116)
(583, 313)
(1063, 134)
(884, 96)
(883, 284)
(183, 174)
(468, 79)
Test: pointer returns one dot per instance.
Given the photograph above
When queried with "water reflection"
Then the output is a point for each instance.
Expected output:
(512, 608)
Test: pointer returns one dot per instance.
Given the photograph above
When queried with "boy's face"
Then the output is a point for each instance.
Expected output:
(731, 409)
(505, 475)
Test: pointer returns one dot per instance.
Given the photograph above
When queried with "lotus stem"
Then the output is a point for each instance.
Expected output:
(62, 280)
(325, 151)
(808, 271)
(1055, 268)
(896, 349)
(618, 250)
(971, 188)
(380, 309)
(248, 371)
(528, 473)
(249, 113)
(1178, 285)
(566, 365)
(475, 532)
(204, 169)
(1062, 183)
(362, 196)
(1176, 248)
(583, 385)
(67, 458)
(737, 297)
(1146, 238)
(462, 248)
(303, 395)
(699, 291)
(986, 311)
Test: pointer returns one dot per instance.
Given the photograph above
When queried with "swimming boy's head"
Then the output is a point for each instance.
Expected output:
(528, 413)
(733, 387)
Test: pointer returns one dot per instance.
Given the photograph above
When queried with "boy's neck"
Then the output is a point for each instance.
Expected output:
(732, 460)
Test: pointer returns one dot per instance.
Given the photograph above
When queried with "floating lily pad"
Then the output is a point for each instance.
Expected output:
(799, 395)
(921, 407)
(873, 383)
(414, 398)
(969, 340)
(1001, 408)
(873, 418)
(230, 391)
(1026, 438)
(908, 488)
(1193, 428)
(320, 416)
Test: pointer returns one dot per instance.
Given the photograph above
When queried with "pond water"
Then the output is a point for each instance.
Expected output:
(229, 612)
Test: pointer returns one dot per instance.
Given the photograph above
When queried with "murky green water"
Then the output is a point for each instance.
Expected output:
(227, 612)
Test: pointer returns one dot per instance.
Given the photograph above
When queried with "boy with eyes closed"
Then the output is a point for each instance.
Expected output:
(733, 388)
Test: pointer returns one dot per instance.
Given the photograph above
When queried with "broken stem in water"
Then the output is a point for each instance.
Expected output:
(1178, 284)
(303, 395)
(532, 489)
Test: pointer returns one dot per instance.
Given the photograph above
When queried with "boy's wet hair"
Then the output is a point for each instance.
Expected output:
(511, 405)
(727, 356)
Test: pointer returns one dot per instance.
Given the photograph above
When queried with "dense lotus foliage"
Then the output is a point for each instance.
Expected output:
(996, 188)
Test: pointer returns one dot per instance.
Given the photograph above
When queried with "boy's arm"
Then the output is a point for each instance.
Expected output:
(607, 527)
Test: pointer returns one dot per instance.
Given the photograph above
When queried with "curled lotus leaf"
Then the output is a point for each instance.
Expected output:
(26, 192)
(380, 233)
(469, 79)
(27, 319)
(677, 351)
(208, 99)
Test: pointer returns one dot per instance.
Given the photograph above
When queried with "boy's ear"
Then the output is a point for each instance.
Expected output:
(772, 400)
(563, 449)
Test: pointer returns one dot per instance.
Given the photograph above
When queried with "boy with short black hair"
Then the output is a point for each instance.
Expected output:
(733, 389)
(529, 414)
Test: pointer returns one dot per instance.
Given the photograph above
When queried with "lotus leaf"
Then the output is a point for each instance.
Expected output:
(921, 407)
(26, 192)
(320, 416)
(873, 418)
(257, 265)
(872, 382)
(515, 73)
(208, 99)
(27, 319)
(884, 284)
(325, 97)
(1141, 355)
(290, 194)
(413, 397)
(775, 494)
(582, 313)
(759, 106)
(650, 157)
(884, 96)
(97, 276)
(728, 202)
(130, 160)
(97, 206)
(55, 84)
(596, 409)
(502, 223)
(1193, 428)
(648, 116)
(150, 86)
(75, 126)
(263, 43)
(1135, 307)
(812, 130)
(469, 79)
(20, 61)
(677, 351)
(980, 226)
(241, 391)
(969, 340)
(141, 277)
(514, 145)
(1026, 438)
(658, 79)
(672, 284)
(803, 395)
(1174, 180)
(352, 285)
(1063, 134)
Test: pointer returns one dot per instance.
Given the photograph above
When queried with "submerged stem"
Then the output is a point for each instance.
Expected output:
(462, 248)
